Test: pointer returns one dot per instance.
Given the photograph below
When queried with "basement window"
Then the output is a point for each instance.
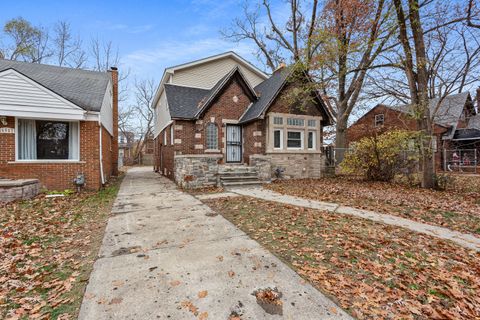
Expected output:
(47, 140)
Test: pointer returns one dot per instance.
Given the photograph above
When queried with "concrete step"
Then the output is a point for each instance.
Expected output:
(241, 183)
(239, 177)
(239, 169)
(237, 174)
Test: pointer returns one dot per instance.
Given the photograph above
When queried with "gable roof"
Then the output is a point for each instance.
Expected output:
(83, 88)
(230, 54)
(189, 103)
(267, 92)
(449, 111)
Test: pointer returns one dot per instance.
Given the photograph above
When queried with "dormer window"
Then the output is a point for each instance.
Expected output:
(379, 120)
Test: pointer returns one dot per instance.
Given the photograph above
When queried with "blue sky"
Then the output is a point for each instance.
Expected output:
(150, 35)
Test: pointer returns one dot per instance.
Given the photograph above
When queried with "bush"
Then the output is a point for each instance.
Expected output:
(381, 157)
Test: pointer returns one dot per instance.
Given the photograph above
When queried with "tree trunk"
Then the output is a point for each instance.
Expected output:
(340, 139)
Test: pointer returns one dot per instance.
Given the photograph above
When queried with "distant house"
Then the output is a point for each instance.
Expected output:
(456, 124)
(57, 123)
(221, 114)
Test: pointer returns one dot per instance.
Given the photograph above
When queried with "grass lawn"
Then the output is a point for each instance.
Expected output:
(457, 208)
(373, 271)
(47, 250)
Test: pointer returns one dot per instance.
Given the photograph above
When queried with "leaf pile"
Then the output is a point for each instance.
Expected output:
(456, 210)
(47, 249)
(374, 271)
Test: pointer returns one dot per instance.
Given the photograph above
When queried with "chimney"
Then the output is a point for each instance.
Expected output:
(114, 74)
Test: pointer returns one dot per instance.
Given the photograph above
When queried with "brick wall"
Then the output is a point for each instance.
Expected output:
(254, 136)
(164, 159)
(107, 154)
(282, 105)
(114, 156)
(365, 127)
(57, 176)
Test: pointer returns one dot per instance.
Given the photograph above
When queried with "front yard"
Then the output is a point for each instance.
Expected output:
(457, 208)
(47, 250)
(372, 270)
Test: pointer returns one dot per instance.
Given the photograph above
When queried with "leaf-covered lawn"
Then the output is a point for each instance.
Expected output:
(373, 271)
(455, 209)
(47, 250)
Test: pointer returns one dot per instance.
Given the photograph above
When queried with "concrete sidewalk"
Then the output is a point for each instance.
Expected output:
(166, 255)
(463, 239)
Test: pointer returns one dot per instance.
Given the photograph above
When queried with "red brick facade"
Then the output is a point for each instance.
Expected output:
(59, 176)
(229, 106)
(365, 127)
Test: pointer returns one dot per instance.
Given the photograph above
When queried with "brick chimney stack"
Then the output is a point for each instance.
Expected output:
(114, 73)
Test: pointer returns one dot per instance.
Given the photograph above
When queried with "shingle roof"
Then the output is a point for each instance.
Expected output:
(184, 102)
(449, 111)
(85, 89)
(466, 134)
(474, 122)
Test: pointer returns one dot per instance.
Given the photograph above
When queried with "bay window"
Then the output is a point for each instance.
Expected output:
(47, 140)
(312, 137)
(278, 139)
(295, 139)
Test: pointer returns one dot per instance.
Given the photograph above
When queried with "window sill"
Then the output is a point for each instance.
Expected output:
(212, 151)
(45, 161)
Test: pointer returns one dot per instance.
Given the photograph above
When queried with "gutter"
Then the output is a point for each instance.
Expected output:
(101, 150)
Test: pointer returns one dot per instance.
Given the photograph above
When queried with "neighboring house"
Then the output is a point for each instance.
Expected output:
(456, 124)
(216, 113)
(126, 142)
(56, 123)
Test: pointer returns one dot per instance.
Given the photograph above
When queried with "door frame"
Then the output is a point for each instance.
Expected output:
(226, 142)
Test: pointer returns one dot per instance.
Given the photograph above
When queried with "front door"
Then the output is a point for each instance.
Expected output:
(234, 143)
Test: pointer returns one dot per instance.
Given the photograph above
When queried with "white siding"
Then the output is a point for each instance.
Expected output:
(206, 75)
(162, 116)
(21, 96)
(106, 112)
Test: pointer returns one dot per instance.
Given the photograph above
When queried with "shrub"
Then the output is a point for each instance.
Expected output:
(381, 157)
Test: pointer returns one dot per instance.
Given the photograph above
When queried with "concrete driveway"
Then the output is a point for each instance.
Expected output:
(165, 255)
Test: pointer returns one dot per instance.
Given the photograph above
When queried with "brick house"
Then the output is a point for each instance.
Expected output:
(56, 123)
(456, 123)
(221, 116)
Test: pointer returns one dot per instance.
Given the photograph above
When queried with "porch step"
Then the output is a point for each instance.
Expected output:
(238, 175)
(241, 183)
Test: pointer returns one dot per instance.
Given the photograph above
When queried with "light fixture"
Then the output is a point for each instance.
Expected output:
(3, 121)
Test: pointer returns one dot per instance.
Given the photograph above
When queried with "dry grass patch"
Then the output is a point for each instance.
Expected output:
(457, 209)
(373, 271)
(48, 246)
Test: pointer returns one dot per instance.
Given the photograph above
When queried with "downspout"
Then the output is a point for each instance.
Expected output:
(101, 150)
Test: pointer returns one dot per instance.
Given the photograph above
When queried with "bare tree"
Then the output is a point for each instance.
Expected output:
(142, 113)
(473, 14)
(291, 40)
(68, 50)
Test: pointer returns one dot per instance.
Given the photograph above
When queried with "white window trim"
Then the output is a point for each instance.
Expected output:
(172, 141)
(314, 140)
(46, 160)
(302, 139)
(281, 138)
(165, 137)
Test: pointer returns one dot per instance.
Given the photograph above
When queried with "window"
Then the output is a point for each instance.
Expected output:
(278, 120)
(295, 139)
(171, 135)
(312, 123)
(312, 138)
(211, 136)
(379, 119)
(278, 139)
(47, 140)
(295, 122)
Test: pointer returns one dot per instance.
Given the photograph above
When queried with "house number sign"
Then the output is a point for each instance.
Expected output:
(7, 130)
